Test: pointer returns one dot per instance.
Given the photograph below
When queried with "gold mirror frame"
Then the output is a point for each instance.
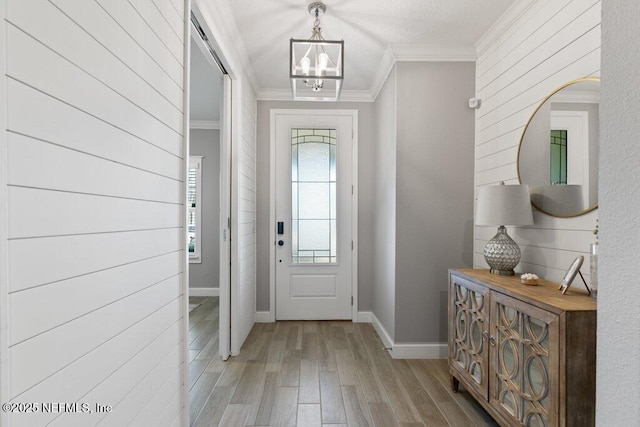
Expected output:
(569, 83)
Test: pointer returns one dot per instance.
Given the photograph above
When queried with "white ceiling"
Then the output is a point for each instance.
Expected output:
(368, 28)
(205, 96)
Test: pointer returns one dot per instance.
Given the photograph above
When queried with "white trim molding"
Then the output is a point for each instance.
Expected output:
(264, 317)
(577, 96)
(508, 18)
(386, 65)
(285, 95)
(420, 351)
(382, 332)
(204, 124)
(203, 292)
(363, 317)
(408, 350)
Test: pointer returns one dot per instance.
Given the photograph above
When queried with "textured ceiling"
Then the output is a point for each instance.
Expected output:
(367, 27)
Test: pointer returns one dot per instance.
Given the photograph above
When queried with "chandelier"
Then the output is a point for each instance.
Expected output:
(317, 65)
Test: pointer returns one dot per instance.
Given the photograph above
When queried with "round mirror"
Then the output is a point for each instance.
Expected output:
(559, 149)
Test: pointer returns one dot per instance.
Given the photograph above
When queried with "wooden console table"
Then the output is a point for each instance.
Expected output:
(526, 353)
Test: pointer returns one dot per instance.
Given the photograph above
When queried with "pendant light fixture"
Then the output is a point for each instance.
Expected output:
(316, 64)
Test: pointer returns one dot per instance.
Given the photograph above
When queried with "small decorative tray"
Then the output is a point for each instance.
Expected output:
(529, 279)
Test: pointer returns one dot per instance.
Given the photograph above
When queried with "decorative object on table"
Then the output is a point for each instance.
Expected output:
(593, 265)
(503, 205)
(316, 63)
(529, 279)
(571, 274)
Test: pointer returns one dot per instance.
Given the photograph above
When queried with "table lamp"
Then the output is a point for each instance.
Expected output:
(503, 205)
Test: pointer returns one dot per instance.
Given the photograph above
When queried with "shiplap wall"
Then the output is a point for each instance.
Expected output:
(534, 48)
(94, 179)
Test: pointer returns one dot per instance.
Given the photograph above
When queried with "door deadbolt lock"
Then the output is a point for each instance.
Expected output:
(280, 242)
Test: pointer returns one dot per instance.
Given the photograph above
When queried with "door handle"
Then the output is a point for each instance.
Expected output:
(280, 228)
(280, 242)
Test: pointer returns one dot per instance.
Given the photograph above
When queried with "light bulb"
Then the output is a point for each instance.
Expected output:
(305, 63)
(323, 60)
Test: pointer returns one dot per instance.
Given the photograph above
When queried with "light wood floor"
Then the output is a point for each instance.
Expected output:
(320, 373)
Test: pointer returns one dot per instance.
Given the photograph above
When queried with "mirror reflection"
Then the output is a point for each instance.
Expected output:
(559, 150)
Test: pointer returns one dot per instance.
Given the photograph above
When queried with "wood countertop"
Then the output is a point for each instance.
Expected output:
(546, 293)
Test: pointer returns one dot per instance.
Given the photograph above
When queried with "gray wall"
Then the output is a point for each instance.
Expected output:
(435, 156)
(207, 143)
(384, 282)
(618, 374)
(366, 175)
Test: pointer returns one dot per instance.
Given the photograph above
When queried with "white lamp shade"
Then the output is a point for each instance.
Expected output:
(504, 205)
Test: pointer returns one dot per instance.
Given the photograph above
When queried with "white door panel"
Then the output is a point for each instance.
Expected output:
(314, 206)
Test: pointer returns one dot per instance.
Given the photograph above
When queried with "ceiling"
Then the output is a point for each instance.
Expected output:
(368, 27)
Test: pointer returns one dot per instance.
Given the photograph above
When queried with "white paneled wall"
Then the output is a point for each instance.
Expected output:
(537, 46)
(93, 248)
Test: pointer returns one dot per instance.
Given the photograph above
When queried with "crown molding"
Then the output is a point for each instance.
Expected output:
(577, 96)
(506, 20)
(432, 53)
(386, 65)
(285, 95)
(225, 36)
(204, 124)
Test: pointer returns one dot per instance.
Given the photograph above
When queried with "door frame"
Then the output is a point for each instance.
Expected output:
(273, 113)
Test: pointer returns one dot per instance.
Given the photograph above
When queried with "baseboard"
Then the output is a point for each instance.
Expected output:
(420, 351)
(264, 317)
(204, 292)
(407, 350)
(382, 333)
(363, 317)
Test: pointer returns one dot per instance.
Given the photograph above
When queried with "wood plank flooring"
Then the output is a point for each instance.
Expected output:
(319, 374)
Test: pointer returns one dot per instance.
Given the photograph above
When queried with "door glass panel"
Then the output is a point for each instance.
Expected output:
(313, 198)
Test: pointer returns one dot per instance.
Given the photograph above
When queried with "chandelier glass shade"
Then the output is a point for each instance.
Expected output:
(316, 65)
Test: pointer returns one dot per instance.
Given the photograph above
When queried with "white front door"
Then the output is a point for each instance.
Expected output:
(313, 210)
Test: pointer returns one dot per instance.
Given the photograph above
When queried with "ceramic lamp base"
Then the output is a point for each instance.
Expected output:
(502, 253)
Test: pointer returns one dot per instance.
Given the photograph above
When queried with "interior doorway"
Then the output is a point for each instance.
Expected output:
(208, 212)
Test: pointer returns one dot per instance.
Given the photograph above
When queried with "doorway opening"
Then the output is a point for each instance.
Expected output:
(208, 213)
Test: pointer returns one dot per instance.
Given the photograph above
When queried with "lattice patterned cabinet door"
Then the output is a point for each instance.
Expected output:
(524, 362)
(468, 329)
